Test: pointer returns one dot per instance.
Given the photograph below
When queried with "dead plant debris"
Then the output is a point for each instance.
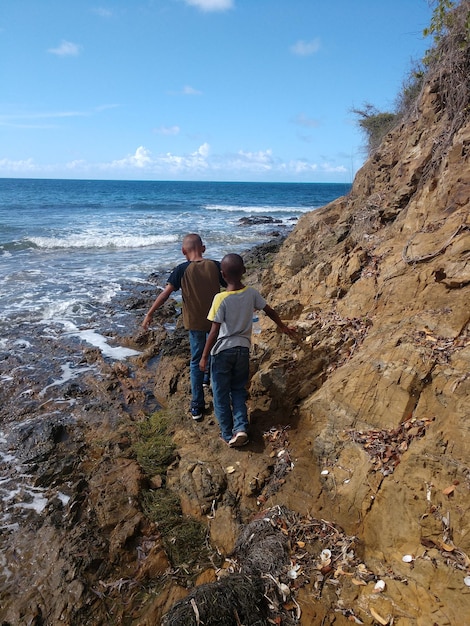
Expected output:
(440, 349)
(348, 333)
(278, 445)
(275, 555)
(385, 447)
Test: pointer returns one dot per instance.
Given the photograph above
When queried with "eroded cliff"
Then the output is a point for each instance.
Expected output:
(375, 395)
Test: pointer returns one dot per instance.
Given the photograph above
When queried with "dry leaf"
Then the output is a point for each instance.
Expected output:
(378, 618)
(446, 546)
(196, 611)
(448, 490)
(357, 581)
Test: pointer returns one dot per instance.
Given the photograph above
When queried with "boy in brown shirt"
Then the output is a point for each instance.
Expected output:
(199, 280)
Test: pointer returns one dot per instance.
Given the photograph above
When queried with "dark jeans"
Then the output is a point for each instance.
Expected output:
(230, 371)
(197, 341)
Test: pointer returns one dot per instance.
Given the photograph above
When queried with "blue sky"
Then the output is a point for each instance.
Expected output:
(242, 90)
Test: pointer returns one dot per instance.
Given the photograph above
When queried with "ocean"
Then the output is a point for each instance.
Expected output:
(67, 247)
(70, 252)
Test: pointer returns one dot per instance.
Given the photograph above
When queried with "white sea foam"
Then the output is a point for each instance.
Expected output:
(16, 488)
(257, 208)
(104, 240)
(35, 501)
(68, 373)
(5, 571)
(117, 353)
(63, 498)
(5, 457)
(60, 308)
(22, 343)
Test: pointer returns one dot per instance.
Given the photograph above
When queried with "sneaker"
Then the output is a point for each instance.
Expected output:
(238, 440)
(196, 413)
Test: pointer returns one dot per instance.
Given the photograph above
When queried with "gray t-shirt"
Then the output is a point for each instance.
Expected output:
(233, 310)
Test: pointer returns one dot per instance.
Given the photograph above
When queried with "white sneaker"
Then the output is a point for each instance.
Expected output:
(239, 439)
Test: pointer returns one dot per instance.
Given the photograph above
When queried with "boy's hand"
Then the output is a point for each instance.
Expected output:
(292, 332)
(203, 364)
(147, 321)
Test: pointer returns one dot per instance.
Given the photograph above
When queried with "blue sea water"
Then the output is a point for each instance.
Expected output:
(69, 246)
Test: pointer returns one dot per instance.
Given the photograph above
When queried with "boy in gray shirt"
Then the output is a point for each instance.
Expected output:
(228, 345)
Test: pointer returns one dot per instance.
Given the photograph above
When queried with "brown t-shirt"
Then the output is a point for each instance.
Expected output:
(199, 281)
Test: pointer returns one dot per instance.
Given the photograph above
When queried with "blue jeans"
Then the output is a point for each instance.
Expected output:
(230, 371)
(197, 341)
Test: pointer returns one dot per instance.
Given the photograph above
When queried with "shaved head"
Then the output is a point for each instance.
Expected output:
(192, 242)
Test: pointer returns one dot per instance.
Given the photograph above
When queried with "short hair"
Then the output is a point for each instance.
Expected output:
(192, 241)
(232, 265)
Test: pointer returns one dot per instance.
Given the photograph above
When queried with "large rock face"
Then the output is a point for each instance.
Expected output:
(379, 285)
(375, 394)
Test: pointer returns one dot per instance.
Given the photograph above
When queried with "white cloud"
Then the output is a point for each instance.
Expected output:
(211, 5)
(141, 158)
(25, 120)
(66, 49)
(307, 122)
(200, 164)
(299, 166)
(168, 130)
(306, 48)
(190, 91)
(261, 160)
(328, 167)
(78, 164)
(22, 166)
(102, 12)
(187, 90)
(194, 162)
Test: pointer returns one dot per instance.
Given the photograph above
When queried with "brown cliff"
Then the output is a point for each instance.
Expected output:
(376, 394)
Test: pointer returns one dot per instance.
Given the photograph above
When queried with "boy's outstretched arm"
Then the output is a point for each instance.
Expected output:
(270, 312)
(160, 299)
(210, 341)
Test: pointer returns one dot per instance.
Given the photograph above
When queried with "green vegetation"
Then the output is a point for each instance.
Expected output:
(375, 124)
(441, 20)
(184, 539)
(447, 62)
(154, 448)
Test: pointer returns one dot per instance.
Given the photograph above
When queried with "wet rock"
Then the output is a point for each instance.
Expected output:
(258, 219)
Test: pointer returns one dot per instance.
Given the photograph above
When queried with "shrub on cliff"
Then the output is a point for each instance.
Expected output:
(446, 65)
